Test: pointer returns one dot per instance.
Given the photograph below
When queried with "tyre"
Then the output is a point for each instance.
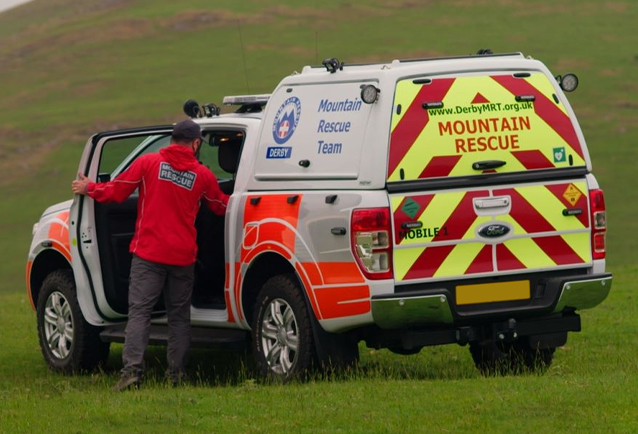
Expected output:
(69, 344)
(495, 358)
(283, 343)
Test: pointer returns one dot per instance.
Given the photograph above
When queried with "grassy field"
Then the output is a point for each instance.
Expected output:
(70, 68)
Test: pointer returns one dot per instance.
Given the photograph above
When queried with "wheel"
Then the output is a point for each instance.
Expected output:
(495, 358)
(69, 344)
(283, 344)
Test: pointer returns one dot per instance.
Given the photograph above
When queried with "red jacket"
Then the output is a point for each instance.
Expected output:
(172, 183)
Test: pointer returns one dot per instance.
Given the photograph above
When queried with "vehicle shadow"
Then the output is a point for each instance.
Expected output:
(228, 368)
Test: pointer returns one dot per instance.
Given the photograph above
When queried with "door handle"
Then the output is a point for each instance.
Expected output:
(488, 164)
(491, 203)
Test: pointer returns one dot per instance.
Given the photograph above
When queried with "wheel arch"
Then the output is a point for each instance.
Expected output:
(262, 268)
(45, 263)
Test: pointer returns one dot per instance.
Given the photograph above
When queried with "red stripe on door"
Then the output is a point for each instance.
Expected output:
(440, 166)
(557, 249)
(543, 107)
(506, 259)
(414, 120)
(533, 159)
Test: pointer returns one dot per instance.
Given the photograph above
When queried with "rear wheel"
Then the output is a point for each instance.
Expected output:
(69, 344)
(496, 358)
(282, 332)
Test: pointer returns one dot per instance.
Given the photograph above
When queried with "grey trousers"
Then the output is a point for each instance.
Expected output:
(147, 281)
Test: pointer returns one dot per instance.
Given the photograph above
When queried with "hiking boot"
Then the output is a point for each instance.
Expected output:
(177, 379)
(128, 381)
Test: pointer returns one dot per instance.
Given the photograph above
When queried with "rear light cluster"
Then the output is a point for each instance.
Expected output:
(371, 242)
(598, 223)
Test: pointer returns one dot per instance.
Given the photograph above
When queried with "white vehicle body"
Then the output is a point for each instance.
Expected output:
(520, 248)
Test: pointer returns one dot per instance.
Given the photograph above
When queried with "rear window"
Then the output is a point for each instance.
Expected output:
(468, 125)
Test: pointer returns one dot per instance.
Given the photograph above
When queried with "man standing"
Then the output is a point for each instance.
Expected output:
(171, 185)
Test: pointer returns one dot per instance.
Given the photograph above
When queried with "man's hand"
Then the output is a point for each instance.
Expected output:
(81, 185)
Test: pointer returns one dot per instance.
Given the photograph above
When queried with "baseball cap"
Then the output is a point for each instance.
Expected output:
(187, 130)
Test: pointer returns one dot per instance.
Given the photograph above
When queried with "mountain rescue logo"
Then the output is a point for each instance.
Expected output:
(286, 120)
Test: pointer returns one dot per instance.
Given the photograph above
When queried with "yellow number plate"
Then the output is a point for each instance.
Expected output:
(491, 292)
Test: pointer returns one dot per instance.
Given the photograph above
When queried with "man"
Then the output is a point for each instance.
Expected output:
(171, 185)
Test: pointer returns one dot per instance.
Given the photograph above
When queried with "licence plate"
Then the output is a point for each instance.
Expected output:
(492, 292)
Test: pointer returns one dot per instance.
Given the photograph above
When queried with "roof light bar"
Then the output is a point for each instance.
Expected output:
(246, 99)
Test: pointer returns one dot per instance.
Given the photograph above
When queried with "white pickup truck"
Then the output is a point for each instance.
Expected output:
(403, 204)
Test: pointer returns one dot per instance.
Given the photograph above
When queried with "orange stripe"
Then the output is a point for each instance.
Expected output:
(274, 205)
(231, 317)
(267, 247)
(308, 288)
(229, 308)
(340, 272)
(313, 272)
(62, 249)
(28, 279)
(237, 289)
(336, 302)
(60, 231)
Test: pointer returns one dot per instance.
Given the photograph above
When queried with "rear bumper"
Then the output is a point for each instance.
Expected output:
(585, 293)
(437, 307)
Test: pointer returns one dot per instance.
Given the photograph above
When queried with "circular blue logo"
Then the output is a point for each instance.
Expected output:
(286, 120)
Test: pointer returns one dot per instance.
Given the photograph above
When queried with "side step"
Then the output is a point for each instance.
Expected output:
(202, 336)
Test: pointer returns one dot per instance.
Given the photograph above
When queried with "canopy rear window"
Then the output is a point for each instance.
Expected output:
(452, 126)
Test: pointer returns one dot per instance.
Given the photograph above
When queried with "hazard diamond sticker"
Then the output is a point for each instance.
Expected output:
(410, 208)
(572, 194)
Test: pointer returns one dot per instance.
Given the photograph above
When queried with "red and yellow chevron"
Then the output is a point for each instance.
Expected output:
(436, 234)
(480, 119)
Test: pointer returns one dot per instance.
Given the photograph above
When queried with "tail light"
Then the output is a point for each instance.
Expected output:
(371, 242)
(598, 224)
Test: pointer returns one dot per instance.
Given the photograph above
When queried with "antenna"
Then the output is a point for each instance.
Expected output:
(243, 54)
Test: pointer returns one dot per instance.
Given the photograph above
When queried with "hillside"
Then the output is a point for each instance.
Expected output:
(69, 68)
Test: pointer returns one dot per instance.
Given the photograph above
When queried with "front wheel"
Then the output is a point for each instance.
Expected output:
(282, 331)
(69, 343)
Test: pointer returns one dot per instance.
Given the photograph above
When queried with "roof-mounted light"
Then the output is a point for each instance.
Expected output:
(567, 82)
(332, 64)
(191, 109)
(246, 99)
(369, 93)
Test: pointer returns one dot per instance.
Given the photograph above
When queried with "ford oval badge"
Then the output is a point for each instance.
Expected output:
(494, 230)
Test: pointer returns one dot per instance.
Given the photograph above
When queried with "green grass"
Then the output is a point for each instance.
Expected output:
(590, 388)
(70, 68)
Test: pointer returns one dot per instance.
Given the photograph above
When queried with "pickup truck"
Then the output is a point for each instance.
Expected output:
(402, 204)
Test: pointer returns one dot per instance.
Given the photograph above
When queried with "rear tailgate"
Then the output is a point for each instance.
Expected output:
(469, 233)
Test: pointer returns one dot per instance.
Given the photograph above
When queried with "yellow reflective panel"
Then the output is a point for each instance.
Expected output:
(403, 261)
(550, 207)
(540, 82)
(581, 244)
(480, 120)
(405, 93)
(459, 260)
(528, 253)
